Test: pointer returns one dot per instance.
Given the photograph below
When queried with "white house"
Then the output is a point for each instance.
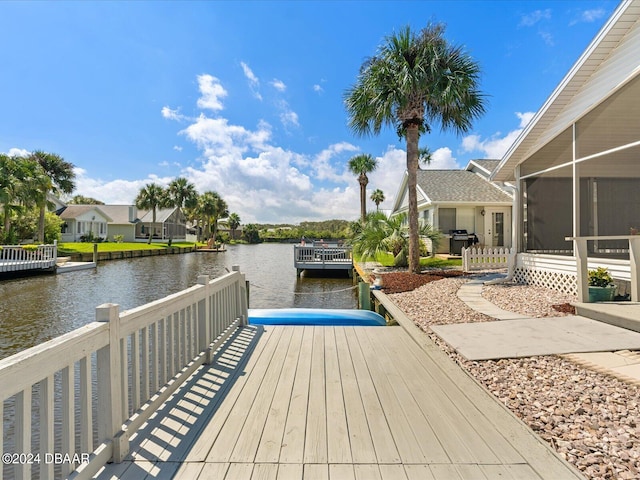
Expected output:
(576, 166)
(82, 221)
(462, 200)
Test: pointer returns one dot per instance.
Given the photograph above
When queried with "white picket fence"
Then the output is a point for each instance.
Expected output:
(134, 359)
(487, 258)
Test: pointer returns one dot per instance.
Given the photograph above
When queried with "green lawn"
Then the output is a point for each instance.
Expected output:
(85, 247)
(427, 262)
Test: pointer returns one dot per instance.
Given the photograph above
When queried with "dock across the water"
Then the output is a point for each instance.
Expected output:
(322, 256)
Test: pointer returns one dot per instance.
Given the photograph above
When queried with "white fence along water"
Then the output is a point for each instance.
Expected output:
(15, 258)
(487, 258)
(136, 359)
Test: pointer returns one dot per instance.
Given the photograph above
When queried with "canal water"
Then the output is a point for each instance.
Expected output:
(36, 309)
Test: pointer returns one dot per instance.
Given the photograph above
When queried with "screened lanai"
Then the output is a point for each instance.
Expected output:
(586, 181)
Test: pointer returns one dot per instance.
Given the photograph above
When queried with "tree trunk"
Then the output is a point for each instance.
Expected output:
(41, 225)
(413, 136)
(363, 198)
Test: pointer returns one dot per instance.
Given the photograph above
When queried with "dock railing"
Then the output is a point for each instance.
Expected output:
(27, 257)
(582, 259)
(134, 359)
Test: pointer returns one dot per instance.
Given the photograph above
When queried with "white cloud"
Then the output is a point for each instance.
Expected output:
(177, 148)
(323, 168)
(18, 152)
(289, 118)
(317, 88)
(534, 17)
(114, 192)
(278, 85)
(171, 114)
(589, 16)
(211, 92)
(497, 145)
(254, 82)
(442, 159)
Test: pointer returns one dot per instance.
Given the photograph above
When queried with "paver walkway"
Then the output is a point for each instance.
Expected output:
(517, 335)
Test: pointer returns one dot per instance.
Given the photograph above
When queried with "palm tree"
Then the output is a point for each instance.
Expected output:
(213, 208)
(377, 197)
(234, 222)
(62, 180)
(414, 81)
(382, 234)
(181, 193)
(151, 197)
(10, 182)
(360, 165)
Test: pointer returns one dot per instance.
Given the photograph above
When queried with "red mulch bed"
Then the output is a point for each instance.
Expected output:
(397, 282)
(565, 308)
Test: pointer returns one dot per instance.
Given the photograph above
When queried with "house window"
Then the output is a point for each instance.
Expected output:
(446, 219)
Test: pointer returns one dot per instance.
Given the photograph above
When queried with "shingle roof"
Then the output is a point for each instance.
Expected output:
(459, 186)
(73, 211)
(487, 164)
(118, 213)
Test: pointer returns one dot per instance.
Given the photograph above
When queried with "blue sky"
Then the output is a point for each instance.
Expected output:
(246, 98)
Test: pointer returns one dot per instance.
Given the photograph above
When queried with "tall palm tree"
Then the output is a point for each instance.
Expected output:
(151, 197)
(360, 165)
(414, 81)
(10, 182)
(377, 197)
(180, 194)
(234, 222)
(62, 180)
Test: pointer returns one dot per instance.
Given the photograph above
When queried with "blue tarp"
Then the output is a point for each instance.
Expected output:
(314, 316)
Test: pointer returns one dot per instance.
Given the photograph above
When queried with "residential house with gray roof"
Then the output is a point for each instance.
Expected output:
(462, 200)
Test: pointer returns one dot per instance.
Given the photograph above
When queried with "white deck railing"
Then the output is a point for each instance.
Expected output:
(16, 258)
(486, 258)
(134, 359)
(318, 254)
(582, 265)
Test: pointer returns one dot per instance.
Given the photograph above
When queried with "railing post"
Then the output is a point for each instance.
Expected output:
(204, 322)
(242, 298)
(580, 252)
(634, 264)
(109, 372)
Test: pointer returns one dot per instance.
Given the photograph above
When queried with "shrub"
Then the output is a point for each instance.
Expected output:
(600, 277)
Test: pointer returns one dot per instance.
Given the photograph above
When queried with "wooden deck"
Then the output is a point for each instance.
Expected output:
(335, 403)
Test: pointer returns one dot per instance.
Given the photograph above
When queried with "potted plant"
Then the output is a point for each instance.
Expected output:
(601, 286)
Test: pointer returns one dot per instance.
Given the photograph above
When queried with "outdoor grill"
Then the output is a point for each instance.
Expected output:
(459, 240)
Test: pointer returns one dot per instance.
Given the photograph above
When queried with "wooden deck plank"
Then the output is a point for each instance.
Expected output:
(482, 443)
(460, 440)
(335, 403)
(341, 471)
(273, 433)
(367, 472)
(256, 417)
(231, 427)
(292, 450)
(416, 440)
(233, 387)
(381, 433)
(338, 443)
(360, 437)
(290, 471)
(540, 457)
(315, 442)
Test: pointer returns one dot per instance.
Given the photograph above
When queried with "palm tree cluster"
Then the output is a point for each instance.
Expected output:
(205, 211)
(389, 235)
(416, 80)
(26, 183)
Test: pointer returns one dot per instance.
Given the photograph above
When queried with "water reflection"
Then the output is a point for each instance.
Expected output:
(36, 309)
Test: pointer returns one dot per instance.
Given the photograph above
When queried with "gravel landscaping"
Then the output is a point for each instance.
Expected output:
(589, 418)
